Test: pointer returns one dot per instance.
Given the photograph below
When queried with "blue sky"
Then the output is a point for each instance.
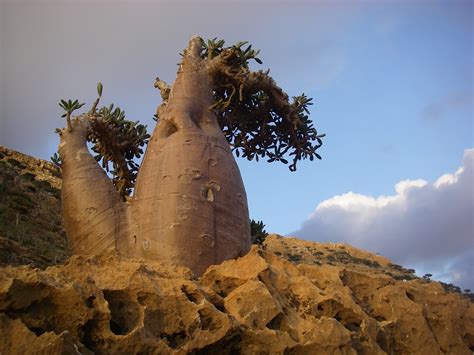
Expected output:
(396, 102)
(392, 83)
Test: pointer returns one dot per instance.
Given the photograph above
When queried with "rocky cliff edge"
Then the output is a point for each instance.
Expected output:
(262, 303)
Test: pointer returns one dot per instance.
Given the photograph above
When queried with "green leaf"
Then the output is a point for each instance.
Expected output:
(99, 89)
(240, 44)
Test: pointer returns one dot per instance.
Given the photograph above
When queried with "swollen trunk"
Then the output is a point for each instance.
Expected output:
(190, 206)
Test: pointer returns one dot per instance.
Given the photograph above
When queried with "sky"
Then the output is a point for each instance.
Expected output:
(392, 83)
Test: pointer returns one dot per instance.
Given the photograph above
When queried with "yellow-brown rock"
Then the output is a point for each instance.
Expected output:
(290, 297)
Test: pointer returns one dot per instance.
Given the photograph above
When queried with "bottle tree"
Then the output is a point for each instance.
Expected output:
(186, 203)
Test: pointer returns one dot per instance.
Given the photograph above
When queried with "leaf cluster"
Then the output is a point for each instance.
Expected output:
(56, 159)
(255, 114)
(118, 141)
(70, 106)
(115, 141)
(235, 54)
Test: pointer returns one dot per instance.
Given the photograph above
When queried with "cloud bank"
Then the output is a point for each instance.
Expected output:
(427, 226)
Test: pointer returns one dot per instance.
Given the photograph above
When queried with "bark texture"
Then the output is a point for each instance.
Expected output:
(95, 218)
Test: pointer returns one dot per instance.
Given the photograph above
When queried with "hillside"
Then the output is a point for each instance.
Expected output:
(288, 296)
(31, 230)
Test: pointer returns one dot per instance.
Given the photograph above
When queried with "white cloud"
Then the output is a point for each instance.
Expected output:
(428, 226)
(448, 179)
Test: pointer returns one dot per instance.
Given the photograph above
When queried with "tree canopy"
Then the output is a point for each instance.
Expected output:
(256, 116)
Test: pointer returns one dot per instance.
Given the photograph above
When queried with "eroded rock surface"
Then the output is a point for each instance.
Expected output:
(262, 303)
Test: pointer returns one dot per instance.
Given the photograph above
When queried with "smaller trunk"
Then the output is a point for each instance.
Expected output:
(95, 217)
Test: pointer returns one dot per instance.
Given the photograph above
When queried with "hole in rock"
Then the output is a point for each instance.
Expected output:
(124, 313)
(229, 345)
(142, 298)
(90, 302)
(192, 295)
(37, 331)
(275, 323)
(410, 296)
(39, 317)
(349, 320)
(334, 309)
(207, 320)
(175, 340)
(86, 334)
(219, 304)
(328, 308)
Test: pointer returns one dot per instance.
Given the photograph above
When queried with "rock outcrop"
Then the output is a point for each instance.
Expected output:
(262, 303)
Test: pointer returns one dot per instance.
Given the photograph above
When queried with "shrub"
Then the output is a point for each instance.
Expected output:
(258, 232)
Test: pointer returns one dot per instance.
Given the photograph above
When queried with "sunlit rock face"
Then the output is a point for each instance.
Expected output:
(291, 297)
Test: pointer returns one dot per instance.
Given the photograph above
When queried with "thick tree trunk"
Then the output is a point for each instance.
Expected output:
(190, 206)
(95, 218)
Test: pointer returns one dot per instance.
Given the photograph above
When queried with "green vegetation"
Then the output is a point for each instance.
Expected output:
(294, 258)
(116, 141)
(257, 232)
(56, 159)
(255, 114)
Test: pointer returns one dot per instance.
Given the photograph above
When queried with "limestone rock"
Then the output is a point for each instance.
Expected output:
(258, 304)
